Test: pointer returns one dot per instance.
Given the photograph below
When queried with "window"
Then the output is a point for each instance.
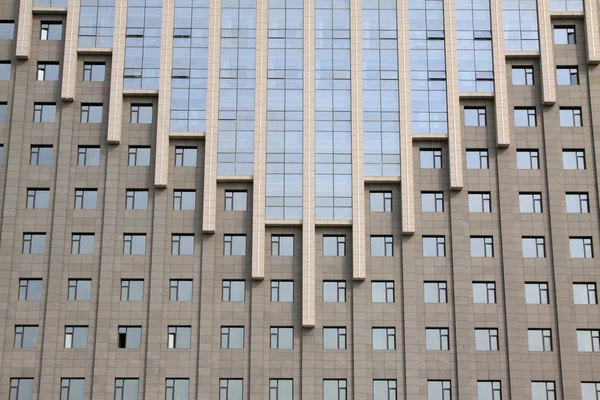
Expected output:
(482, 246)
(232, 337)
(564, 35)
(51, 30)
(141, 113)
(334, 246)
(236, 200)
(334, 389)
(567, 76)
(540, 339)
(477, 159)
(126, 389)
(26, 336)
(130, 337)
(38, 198)
(82, 243)
(432, 201)
(182, 245)
(489, 390)
(437, 339)
(233, 290)
(480, 202)
(434, 246)
(136, 199)
(475, 116)
(34, 243)
(543, 391)
(282, 291)
(384, 338)
(382, 246)
(88, 156)
(177, 389)
(385, 389)
(184, 200)
(180, 337)
(230, 389)
(533, 247)
(577, 203)
(86, 199)
(21, 389)
(30, 289)
(528, 159)
(581, 247)
(522, 75)
(380, 201)
(334, 338)
(41, 155)
(139, 156)
(484, 292)
(282, 245)
(76, 337)
(94, 72)
(282, 338)
(80, 289)
(180, 290)
(5, 70)
(186, 156)
(525, 116)
(589, 391)
(536, 293)
(44, 112)
(234, 245)
(530, 202)
(334, 291)
(566, 5)
(281, 389)
(132, 289)
(438, 390)
(71, 389)
(3, 111)
(7, 29)
(574, 159)
(486, 339)
(134, 244)
(91, 113)
(435, 292)
(585, 293)
(431, 159)
(570, 117)
(47, 71)
(382, 292)
(588, 340)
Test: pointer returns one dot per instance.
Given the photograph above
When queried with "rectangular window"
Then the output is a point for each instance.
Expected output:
(486, 339)
(282, 245)
(536, 293)
(489, 390)
(581, 247)
(180, 337)
(184, 200)
(132, 289)
(382, 292)
(589, 391)
(434, 246)
(522, 75)
(567, 76)
(26, 336)
(233, 291)
(230, 389)
(86, 199)
(71, 389)
(91, 113)
(51, 30)
(480, 202)
(134, 244)
(281, 389)
(384, 338)
(380, 201)
(437, 339)
(282, 291)
(482, 246)
(7, 30)
(44, 112)
(533, 247)
(477, 159)
(475, 116)
(566, 5)
(570, 117)
(47, 71)
(334, 338)
(585, 293)
(34, 243)
(564, 35)
(232, 337)
(577, 203)
(236, 200)
(94, 72)
(3, 111)
(30, 289)
(334, 389)
(177, 389)
(186, 156)
(540, 339)
(520, 26)
(334, 291)
(136, 199)
(484, 292)
(525, 116)
(588, 340)
(282, 338)
(38, 198)
(431, 159)
(80, 289)
(41, 155)
(180, 290)
(528, 159)
(435, 292)
(141, 114)
(543, 391)
(334, 246)
(21, 389)
(574, 159)
(88, 156)
(382, 246)
(182, 245)
(432, 201)
(82, 243)
(126, 389)
(5, 70)
(530, 202)
(76, 337)
(385, 389)
(130, 337)
(139, 156)
(234, 245)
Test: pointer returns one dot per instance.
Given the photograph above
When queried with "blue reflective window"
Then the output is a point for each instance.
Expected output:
(96, 23)
(520, 25)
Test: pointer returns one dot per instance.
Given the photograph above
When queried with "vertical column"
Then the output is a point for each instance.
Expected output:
(592, 31)
(24, 28)
(501, 95)
(161, 163)
(260, 136)
(115, 108)
(209, 212)
(454, 131)
(546, 53)
(69, 65)
(308, 178)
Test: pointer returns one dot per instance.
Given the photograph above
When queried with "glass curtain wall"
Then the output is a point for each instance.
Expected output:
(520, 25)
(96, 23)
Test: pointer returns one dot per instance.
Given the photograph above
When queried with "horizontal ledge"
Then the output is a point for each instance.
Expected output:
(383, 179)
(476, 95)
(333, 222)
(430, 136)
(140, 92)
(308, 326)
(258, 278)
(522, 54)
(67, 98)
(235, 178)
(283, 222)
(95, 50)
(160, 185)
(187, 135)
(113, 141)
(22, 56)
(567, 14)
(49, 10)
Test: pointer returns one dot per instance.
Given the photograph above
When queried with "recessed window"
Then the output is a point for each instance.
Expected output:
(134, 244)
(522, 75)
(578, 203)
(434, 246)
(132, 289)
(126, 389)
(380, 201)
(180, 290)
(282, 245)
(51, 30)
(525, 116)
(282, 338)
(3, 111)
(232, 337)
(588, 340)
(540, 339)
(335, 389)
(480, 202)
(334, 246)
(382, 292)
(282, 291)
(7, 30)
(41, 155)
(432, 201)
(530, 202)
(236, 200)
(230, 389)
(384, 338)
(439, 390)
(567, 76)
(431, 159)
(489, 390)
(72, 389)
(533, 247)
(47, 71)
(76, 337)
(186, 156)
(44, 112)
(484, 292)
(180, 337)
(435, 292)
(34, 243)
(94, 72)
(589, 391)
(477, 159)
(182, 244)
(585, 293)
(482, 246)
(570, 117)
(574, 159)
(536, 293)
(5, 70)
(581, 247)
(486, 340)
(30, 289)
(82, 243)
(141, 113)
(139, 156)
(184, 200)
(528, 159)
(88, 156)
(26, 336)
(475, 116)
(178, 389)
(91, 113)
(130, 337)
(21, 388)
(233, 291)
(564, 35)
(38, 198)
(382, 246)
(334, 338)
(86, 199)
(136, 199)
(334, 291)
(543, 391)
(437, 339)
(80, 289)
(234, 245)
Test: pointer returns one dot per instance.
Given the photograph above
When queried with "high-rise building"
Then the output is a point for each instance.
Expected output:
(299, 199)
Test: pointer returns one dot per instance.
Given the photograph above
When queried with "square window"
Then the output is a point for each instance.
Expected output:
(564, 34)
(184, 200)
(570, 117)
(182, 244)
(47, 71)
(234, 245)
(141, 113)
(180, 290)
(86, 199)
(480, 202)
(51, 30)
(7, 30)
(186, 156)
(567, 76)
(334, 291)
(236, 200)
(44, 112)
(130, 337)
(477, 159)
(139, 156)
(94, 72)
(522, 75)
(431, 159)
(574, 159)
(282, 245)
(91, 113)
(41, 155)
(525, 116)
(432, 201)
(528, 159)
(80, 289)
(233, 291)
(475, 116)
(382, 292)
(282, 291)
(380, 201)
(30, 289)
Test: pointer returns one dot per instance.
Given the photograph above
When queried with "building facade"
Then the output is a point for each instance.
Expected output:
(299, 199)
